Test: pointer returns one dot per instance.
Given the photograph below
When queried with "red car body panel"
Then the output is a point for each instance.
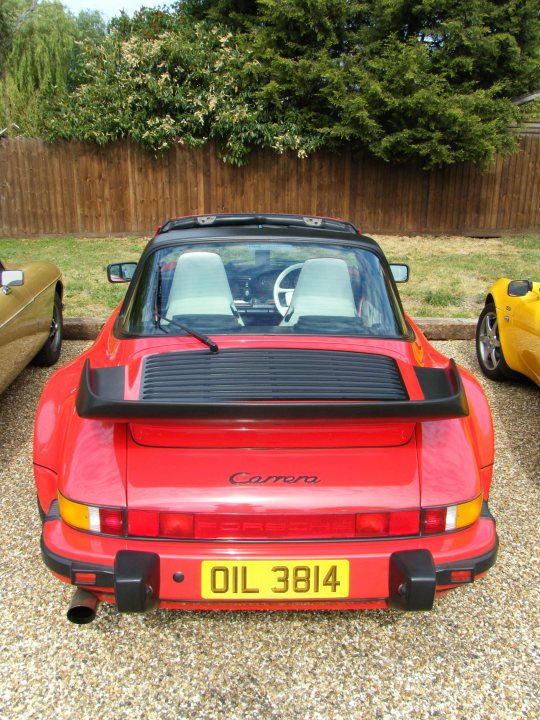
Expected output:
(342, 478)
(96, 451)
(255, 468)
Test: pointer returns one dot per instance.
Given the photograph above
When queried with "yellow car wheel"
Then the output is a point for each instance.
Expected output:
(488, 346)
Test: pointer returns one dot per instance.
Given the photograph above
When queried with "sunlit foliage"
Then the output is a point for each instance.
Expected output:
(425, 80)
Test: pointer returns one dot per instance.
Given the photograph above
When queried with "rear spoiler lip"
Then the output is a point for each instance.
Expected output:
(107, 402)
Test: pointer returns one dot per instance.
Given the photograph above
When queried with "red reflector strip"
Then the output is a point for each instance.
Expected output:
(372, 524)
(143, 523)
(251, 527)
(404, 522)
(178, 525)
(229, 526)
(461, 576)
(84, 578)
(388, 524)
(150, 523)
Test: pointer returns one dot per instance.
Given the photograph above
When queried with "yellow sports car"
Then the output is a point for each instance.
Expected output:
(30, 317)
(508, 330)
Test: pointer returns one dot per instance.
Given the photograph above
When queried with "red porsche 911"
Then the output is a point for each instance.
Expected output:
(260, 426)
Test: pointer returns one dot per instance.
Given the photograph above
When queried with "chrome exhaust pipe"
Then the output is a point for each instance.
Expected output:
(83, 607)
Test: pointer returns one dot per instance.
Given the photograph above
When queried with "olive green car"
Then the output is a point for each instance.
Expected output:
(30, 317)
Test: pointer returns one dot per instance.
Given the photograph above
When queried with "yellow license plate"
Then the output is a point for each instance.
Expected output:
(274, 579)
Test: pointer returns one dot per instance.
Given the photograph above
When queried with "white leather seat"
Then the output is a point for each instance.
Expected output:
(323, 288)
(200, 287)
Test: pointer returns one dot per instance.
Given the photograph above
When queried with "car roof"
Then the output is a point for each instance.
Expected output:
(251, 225)
(257, 220)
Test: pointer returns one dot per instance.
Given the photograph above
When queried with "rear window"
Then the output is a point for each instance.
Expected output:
(254, 287)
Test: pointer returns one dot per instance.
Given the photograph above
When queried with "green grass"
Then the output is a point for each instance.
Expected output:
(443, 298)
(449, 275)
(83, 262)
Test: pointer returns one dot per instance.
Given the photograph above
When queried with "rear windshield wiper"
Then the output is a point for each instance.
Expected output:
(159, 318)
(199, 336)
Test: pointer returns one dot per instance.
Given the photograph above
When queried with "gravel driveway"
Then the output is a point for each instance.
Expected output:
(476, 655)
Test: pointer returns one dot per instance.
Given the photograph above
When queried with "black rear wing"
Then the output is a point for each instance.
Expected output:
(243, 397)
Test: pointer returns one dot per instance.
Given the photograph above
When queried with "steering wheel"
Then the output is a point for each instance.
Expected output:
(286, 292)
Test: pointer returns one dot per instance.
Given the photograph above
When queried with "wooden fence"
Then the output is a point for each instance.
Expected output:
(87, 190)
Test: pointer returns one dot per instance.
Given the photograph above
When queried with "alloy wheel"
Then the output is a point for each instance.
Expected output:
(488, 341)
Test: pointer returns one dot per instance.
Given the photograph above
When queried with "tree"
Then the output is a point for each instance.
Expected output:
(177, 86)
(431, 80)
(91, 25)
(39, 52)
(13, 14)
(428, 79)
(91, 28)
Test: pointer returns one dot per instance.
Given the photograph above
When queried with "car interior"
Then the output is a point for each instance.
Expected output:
(287, 290)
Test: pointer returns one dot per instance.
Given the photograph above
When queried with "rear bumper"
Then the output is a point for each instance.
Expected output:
(139, 575)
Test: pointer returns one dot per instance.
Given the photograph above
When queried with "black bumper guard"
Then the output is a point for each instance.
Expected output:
(136, 581)
(413, 579)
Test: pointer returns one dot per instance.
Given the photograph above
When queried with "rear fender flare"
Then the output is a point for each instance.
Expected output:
(481, 427)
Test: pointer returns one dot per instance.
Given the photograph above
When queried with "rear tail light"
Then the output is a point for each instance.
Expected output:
(434, 521)
(469, 512)
(372, 524)
(107, 521)
(150, 523)
(451, 517)
(147, 523)
(208, 526)
(388, 524)
(143, 523)
(177, 525)
(278, 527)
(111, 521)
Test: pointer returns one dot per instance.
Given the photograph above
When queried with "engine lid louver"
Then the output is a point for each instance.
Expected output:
(270, 374)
